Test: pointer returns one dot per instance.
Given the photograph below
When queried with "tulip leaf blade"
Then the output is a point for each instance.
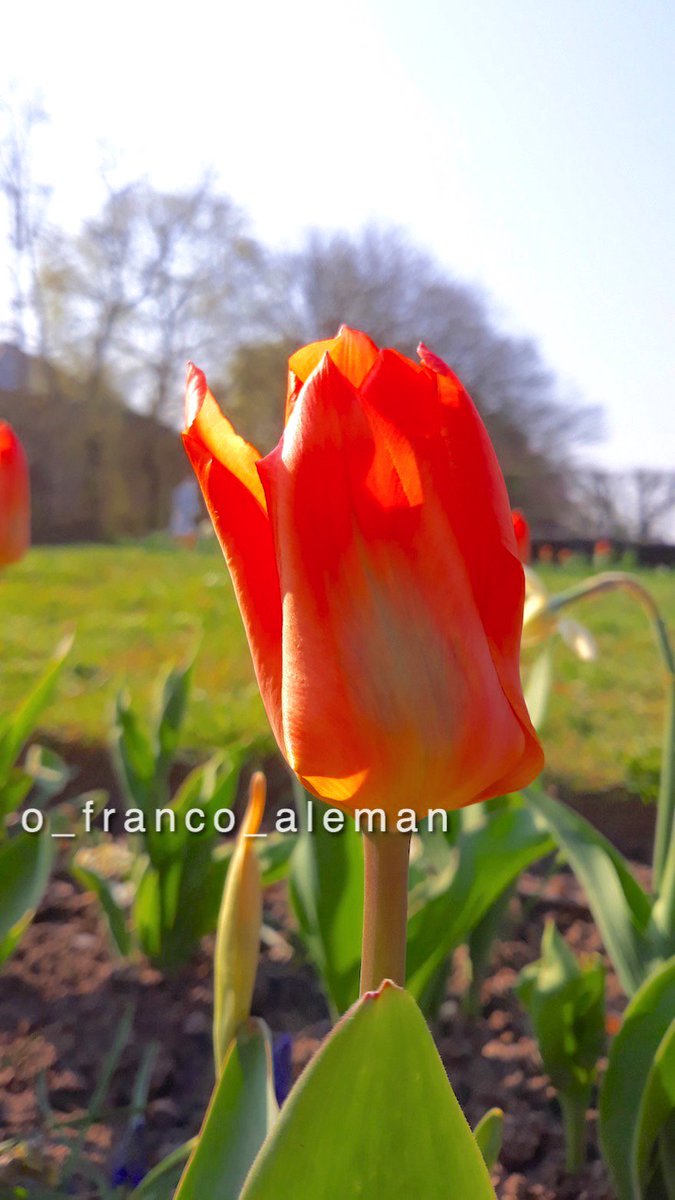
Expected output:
(160, 1183)
(647, 1022)
(489, 1133)
(657, 1110)
(237, 1121)
(17, 728)
(91, 881)
(622, 910)
(377, 1111)
(487, 860)
(326, 886)
(25, 864)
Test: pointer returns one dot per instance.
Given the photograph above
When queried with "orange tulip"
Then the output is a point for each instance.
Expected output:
(375, 564)
(14, 498)
(522, 531)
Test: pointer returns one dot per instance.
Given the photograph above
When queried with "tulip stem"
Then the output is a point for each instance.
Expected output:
(385, 908)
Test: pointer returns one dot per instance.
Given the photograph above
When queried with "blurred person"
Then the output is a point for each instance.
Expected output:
(186, 513)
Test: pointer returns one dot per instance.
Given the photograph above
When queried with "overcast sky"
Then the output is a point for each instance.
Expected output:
(530, 144)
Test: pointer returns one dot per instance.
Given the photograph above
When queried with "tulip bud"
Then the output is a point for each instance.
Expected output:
(14, 498)
(238, 936)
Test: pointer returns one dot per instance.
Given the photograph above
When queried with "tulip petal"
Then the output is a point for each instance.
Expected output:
(388, 677)
(472, 483)
(353, 353)
(225, 466)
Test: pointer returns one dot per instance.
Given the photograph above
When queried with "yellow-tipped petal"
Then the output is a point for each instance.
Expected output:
(238, 936)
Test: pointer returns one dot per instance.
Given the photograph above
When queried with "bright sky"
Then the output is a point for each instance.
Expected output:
(530, 144)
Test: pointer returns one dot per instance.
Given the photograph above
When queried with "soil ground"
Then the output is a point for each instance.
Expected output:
(64, 994)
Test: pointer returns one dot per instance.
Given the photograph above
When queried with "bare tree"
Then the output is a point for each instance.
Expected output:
(378, 280)
(155, 278)
(654, 493)
(25, 204)
(636, 505)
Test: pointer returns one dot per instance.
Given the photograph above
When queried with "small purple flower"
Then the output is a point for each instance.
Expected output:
(282, 1053)
(129, 1162)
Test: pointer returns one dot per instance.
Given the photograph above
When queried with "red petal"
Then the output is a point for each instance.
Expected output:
(389, 679)
(225, 466)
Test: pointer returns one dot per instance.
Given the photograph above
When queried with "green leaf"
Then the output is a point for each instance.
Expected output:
(647, 1021)
(373, 1115)
(160, 1183)
(25, 863)
(241, 1112)
(566, 1003)
(13, 792)
(621, 909)
(656, 1109)
(326, 886)
(174, 695)
(481, 941)
(538, 685)
(21, 724)
(484, 862)
(489, 1134)
(133, 756)
(115, 917)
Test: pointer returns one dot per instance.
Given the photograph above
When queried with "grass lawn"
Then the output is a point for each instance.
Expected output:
(136, 607)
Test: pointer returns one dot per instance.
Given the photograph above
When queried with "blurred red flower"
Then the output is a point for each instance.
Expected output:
(14, 497)
(522, 532)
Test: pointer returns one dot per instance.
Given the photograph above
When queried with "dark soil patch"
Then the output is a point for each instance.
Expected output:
(63, 996)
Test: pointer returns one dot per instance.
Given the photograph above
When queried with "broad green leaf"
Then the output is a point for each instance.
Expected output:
(565, 999)
(485, 861)
(115, 917)
(174, 695)
(241, 1112)
(646, 1022)
(657, 1109)
(13, 792)
(481, 941)
(326, 885)
(538, 685)
(25, 863)
(373, 1115)
(17, 728)
(133, 756)
(621, 909)
(147, 912)
(566, 1003)
(489, 1134)
(160, 1183)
